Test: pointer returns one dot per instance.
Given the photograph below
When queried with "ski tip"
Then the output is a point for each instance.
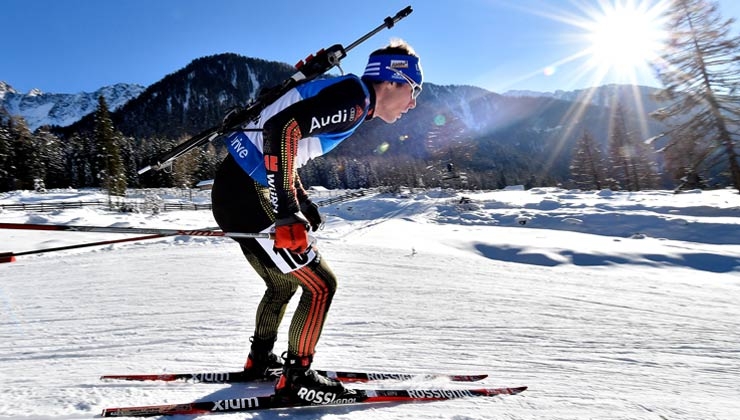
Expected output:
(156, 377)
(110, 377)
(468, 378)
(502, 391)
(7, 257)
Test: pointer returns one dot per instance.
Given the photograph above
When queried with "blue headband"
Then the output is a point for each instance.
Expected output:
(377, 68)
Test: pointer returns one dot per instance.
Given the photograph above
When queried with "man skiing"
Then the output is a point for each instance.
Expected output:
(257, 189)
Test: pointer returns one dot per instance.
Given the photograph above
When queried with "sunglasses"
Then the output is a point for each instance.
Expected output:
(415, 87)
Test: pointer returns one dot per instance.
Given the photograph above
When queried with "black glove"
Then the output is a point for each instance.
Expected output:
(311, 212)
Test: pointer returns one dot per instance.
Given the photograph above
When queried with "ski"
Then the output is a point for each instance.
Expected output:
(313, 399)
(236, 377)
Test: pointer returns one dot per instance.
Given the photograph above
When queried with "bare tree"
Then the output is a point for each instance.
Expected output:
(701, 79)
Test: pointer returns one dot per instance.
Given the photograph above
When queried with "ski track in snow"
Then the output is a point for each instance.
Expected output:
(632, 340)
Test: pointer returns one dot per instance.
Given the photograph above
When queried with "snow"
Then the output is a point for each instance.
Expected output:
(608, 305)
(62, 109)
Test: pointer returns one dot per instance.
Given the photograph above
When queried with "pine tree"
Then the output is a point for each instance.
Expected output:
(7, 155)
(701, 79)
(183, 170)
(154, 147)
(356, 173)
(52, 158)
(25, 165)
(80, 162)
(587, 167)
(632, 166)
(450, 149)
(621, 153)
(208, 161)
(331, 177)
(112, 174)
(130, 159)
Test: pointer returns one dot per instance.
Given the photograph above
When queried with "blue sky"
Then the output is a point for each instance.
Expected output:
(80, 45)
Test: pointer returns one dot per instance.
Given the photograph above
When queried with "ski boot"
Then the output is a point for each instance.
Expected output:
(262, 364)
(301, 385)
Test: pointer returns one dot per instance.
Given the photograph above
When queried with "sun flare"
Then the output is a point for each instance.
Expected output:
(625, 37)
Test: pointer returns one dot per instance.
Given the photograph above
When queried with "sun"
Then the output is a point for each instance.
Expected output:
(625, 38)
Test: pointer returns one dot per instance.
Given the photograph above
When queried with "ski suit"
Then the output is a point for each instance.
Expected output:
(258, 184)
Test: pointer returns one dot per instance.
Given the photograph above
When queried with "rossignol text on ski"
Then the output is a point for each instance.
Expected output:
(350, 397)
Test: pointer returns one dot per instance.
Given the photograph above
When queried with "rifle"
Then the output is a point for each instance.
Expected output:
(308, 69)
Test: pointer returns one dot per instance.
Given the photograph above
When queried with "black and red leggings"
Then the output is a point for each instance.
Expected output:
(242, 205)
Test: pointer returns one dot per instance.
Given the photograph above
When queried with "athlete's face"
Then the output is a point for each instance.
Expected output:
(393, 100)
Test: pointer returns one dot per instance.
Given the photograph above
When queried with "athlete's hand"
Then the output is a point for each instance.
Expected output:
(311, 211)
(292, 234)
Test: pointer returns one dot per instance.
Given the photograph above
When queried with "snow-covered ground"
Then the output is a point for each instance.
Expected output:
(607, 305)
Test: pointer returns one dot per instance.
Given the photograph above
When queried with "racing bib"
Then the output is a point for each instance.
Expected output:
(285, 260)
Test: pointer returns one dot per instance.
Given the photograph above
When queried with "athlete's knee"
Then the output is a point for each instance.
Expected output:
(329, 284)
(324, 289)
(320, 285)
(328, 277)
(280, 292)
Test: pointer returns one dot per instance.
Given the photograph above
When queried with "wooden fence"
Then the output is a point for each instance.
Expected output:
(60, 205)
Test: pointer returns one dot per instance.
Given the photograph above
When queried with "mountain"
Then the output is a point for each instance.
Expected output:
(518, 136)
(495, 135)
(196, 97)
(606, 95)
(486, 131)
(62, 109)
(193, 98)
